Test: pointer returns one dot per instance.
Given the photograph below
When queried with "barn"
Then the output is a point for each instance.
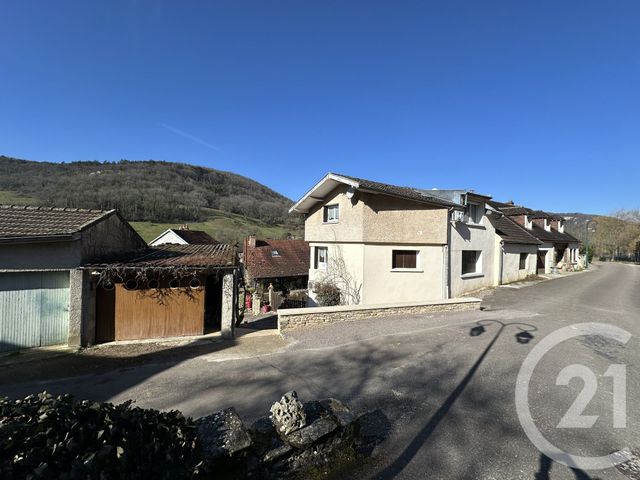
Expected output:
(45, 297)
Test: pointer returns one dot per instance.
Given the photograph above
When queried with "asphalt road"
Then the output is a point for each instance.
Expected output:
(449, 396)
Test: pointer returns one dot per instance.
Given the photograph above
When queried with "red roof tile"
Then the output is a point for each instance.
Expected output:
(277, 258)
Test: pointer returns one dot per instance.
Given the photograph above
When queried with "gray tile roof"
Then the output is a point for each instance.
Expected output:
(408, 193)
(511, 232)
(34, 222)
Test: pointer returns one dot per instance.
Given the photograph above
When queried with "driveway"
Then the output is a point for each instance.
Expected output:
(447, 390)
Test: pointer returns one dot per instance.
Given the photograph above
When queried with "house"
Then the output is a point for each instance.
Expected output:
(165, 291)
(379, 243)
(516, 249)
(472, 237)
(183, 236)
(558, 248)
(45, 298)
(282, 263)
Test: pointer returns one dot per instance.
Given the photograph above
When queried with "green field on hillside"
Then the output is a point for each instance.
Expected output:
(223, 226)
(11, 198)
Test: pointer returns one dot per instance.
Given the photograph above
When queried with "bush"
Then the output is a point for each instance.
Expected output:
(43, 436)
(327, 294)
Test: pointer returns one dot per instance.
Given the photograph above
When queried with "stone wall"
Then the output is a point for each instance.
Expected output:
(291, 319)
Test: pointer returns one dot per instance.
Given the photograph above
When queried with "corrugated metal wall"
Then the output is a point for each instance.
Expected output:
(34, 309)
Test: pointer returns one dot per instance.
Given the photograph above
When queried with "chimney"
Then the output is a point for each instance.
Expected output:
(251, 241)
(510, 202)
(184, 226)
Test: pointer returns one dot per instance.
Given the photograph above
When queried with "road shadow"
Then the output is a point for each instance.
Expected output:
(544, 470)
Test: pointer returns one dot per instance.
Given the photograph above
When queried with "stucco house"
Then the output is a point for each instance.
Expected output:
(45, 298)
(183, 236)
(379, 243)
(558, 248)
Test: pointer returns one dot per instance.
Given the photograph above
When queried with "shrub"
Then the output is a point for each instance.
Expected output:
(327, 294)
(42, 436)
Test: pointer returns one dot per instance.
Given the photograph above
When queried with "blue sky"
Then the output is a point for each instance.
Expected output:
(535, 101)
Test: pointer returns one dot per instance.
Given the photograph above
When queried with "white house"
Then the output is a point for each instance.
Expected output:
(183, 236)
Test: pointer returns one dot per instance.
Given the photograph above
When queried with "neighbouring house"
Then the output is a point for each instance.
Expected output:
(165, 291)
(471, 245)
(516, 249)
(183, 236)
(282, 263)
(45, 298)
(378, 243)
(558, 248)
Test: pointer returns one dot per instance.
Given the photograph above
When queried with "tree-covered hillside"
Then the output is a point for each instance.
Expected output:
(143, 190)
(152, 191)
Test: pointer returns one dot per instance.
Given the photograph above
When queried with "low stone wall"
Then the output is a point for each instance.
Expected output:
(293, 318)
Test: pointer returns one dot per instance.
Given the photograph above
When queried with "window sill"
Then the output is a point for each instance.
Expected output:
(406, 270)
(331, 223)
(471, 275)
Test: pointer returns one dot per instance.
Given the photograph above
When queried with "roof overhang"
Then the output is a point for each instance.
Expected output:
(320, 190)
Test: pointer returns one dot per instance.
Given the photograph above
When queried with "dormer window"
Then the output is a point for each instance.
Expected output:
(331, 214)
(474, 213)
(547, 225)
(275, 253)
(561, 226)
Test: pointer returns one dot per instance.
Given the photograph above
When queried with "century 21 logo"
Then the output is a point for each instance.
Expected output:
(574, 417)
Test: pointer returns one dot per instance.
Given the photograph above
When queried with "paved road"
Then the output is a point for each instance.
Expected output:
(448, 395)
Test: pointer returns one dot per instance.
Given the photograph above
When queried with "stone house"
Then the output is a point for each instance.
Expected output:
(45, 297)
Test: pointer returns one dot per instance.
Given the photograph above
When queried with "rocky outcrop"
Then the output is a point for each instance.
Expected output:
(297, 439)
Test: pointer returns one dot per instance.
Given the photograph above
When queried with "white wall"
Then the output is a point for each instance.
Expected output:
(511, 262)
(168, 237)
(383, 284)
(472, 237)
(345, 268)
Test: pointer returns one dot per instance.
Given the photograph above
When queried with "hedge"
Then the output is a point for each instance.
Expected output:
(44, 436)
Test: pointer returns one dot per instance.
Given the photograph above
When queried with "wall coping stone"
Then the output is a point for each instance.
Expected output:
(376, 306)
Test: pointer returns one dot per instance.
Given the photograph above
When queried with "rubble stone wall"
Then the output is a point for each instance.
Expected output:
(320, 316)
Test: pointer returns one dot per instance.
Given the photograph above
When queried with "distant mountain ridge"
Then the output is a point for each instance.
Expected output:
(142, 190)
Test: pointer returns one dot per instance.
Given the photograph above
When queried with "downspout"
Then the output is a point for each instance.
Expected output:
(447, 257)
(500, 264)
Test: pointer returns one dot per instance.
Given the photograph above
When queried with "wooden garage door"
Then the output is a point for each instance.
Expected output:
(34, 309)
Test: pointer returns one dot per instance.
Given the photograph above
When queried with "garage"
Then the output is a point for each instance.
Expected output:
(34, 309)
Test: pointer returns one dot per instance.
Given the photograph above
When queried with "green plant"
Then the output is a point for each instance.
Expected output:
(327, 294)
(42, 436)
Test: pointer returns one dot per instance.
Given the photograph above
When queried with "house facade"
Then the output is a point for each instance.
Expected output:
(378, 243)
(45, 298)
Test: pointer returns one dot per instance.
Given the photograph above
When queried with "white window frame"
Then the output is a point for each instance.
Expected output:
(418, 267)
(327, 217)
(479, 211)
(317, 264)
(478, 272)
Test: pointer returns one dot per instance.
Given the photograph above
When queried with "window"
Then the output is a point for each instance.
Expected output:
(404, 259)
(331, 214)
(320, 258)
(523, 261)
(474, 213)
(471, 262)
(275, 253)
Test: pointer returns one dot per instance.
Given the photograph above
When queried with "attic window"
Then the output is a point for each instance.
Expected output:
(275, 253)
(331, 214)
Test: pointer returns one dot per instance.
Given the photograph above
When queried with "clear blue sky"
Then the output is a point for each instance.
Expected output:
(535, 101)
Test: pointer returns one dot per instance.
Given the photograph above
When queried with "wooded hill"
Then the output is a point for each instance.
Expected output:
(151, 191)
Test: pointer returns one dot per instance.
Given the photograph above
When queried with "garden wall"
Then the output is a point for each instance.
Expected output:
(293, 318)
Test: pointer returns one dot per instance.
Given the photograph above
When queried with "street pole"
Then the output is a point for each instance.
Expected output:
(586, 249)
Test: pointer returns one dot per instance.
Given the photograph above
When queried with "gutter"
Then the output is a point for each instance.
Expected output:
(501, 264)
(447, 257)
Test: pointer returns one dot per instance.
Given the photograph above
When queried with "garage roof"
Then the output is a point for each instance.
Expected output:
(173, 256)
(22, 222)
